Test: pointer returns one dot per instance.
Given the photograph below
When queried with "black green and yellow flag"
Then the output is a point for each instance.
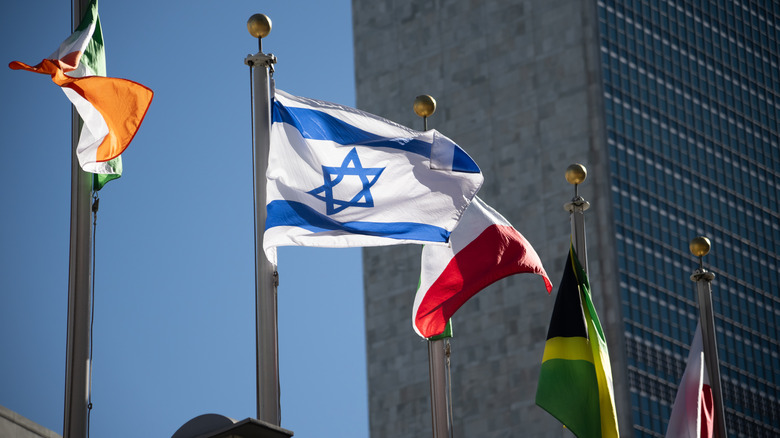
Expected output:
(575, 382)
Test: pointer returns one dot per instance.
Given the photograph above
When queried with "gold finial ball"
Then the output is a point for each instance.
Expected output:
(576, 174)
(700, 246)
(259, 25)
(424, 105)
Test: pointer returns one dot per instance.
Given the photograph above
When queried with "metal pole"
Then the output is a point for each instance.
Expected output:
(576, 174)
(424, 106)
(79, 286)
(268, 398)
(703, 278)
(437, 360)
(577, 218)
(267, 339)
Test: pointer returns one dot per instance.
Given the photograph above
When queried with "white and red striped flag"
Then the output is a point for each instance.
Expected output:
(484, 248)
(693, 411)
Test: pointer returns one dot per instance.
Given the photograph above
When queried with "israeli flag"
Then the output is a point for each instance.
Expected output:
(340, 177)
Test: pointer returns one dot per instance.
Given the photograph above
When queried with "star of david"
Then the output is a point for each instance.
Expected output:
(351, 166)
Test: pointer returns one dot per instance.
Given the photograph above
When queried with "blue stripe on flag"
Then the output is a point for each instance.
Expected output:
(289, 213)
(461, 162)
(316, 125)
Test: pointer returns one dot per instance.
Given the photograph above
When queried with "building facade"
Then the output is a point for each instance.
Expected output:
(672, 106)
(13, 425)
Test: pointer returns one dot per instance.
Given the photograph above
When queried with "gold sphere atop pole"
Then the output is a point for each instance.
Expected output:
(700, 246)
(576, 174)
(259, 25)
(424, 105)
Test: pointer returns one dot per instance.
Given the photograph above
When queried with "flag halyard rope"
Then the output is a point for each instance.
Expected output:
(95, 207)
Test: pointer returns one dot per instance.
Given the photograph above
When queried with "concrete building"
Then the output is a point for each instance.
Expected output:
(672, 106)
(13, 425)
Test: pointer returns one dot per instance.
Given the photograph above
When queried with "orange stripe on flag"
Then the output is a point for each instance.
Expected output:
(46, 67)
(122, 103)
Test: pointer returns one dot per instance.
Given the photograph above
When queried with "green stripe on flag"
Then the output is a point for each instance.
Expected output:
(570, 393)
(447, 333)
(94, 53)
(100, 179)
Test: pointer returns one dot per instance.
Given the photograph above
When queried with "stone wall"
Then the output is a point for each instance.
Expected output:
(518, 86)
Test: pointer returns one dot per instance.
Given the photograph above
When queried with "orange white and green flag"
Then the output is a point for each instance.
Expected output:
(112, 109)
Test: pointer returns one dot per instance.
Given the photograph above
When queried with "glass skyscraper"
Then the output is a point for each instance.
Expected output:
(673, 107)
(692, 98)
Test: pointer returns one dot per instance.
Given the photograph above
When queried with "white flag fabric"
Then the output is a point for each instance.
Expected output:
(692, 414)
(340, 177)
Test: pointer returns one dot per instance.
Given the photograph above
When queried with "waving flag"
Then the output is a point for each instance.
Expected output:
(112, 109)
(340, 177)
(693, 411)
(575, 382)
(484, 248)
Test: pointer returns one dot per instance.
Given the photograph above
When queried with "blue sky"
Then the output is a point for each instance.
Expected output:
(174, 295)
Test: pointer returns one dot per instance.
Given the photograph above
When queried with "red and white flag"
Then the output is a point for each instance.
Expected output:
(484, 248)
(693, 411)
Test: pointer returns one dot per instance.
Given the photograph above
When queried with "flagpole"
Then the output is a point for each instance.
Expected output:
(438, 346)
(79, 286)
(575, 175)
(700, 246)
(438, 351)
(267, 339)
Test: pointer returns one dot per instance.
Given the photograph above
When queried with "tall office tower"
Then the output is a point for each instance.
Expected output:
(673, 107)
